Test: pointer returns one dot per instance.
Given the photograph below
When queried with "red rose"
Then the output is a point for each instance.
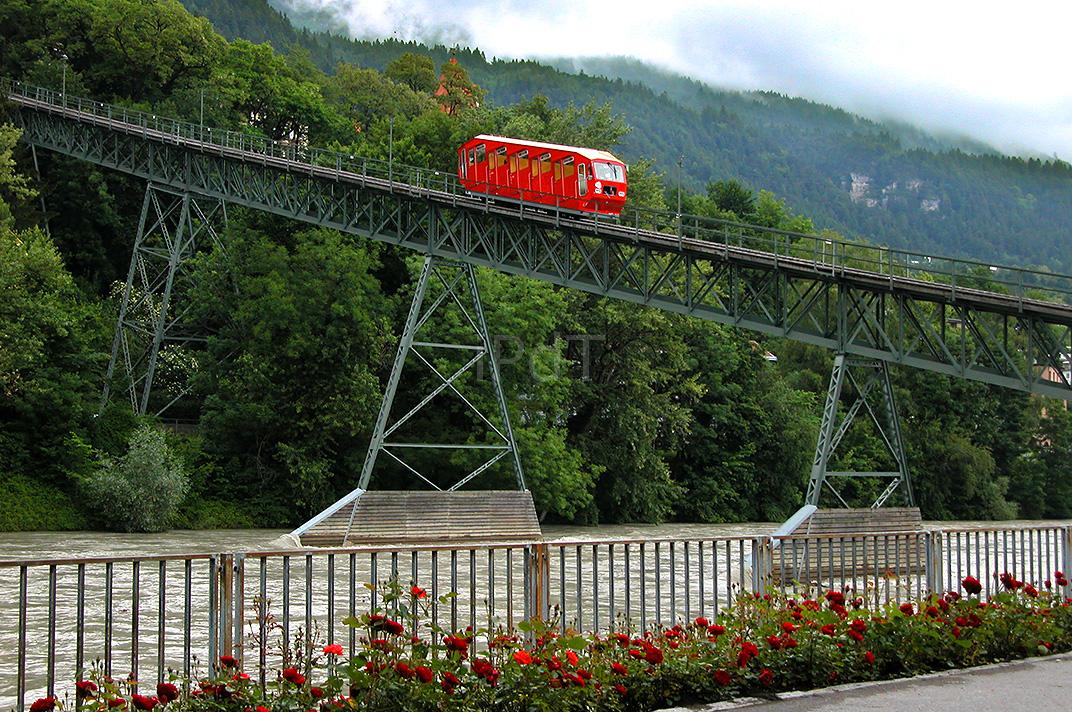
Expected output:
(1031, 590)
(723, 678)
(859, 626)
(448, 681)
(333, 649)
(393, 627)
(167, 692)
(262, 708)
(788, 627)
(117, 702)
(292, 675)
(144, 703)
(572, 657)
(44, 704)
(85, 688)
(766, 677)
(418, 592)
(403, 670)
(774, 641)
(522, 657)
(907, 609)
(424, 674)
(619, 669)
(228, 661)
(456, 643)
(971, 585)
(701, 622)
(829, 629)
(715, 629)
(316, 692)
(856, 635)
(869, 658)
(835, 598)
(620, 689)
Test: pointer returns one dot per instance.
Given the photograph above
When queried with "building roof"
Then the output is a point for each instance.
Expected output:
(589, 153)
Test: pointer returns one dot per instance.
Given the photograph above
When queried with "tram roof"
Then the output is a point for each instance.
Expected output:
(590, 153)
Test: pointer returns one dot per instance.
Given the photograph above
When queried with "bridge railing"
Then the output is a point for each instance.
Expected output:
(141, 617)
(820, 250)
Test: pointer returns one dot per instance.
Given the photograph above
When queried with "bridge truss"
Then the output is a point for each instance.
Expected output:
(998, 325)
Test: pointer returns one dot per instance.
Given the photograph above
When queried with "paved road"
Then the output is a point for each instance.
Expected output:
(1036, 684)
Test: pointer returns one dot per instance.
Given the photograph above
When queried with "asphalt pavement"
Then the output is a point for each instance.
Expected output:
(1036, 683)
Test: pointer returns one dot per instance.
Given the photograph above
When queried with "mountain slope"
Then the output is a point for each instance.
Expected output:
(890, 183)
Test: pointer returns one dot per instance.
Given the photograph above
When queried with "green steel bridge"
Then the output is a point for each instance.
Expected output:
(872, 306)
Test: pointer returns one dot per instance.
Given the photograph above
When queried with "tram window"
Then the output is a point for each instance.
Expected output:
(500, 156)
(462, 167)
(472, 156)
(481, 153)
(582, 179)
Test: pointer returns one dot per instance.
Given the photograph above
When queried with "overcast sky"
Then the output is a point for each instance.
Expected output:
(1003, 75)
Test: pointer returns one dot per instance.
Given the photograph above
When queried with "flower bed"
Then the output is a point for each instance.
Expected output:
(763, 643)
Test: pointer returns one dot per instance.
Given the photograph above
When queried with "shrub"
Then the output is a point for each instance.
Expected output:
(761, 644)
(140, 491)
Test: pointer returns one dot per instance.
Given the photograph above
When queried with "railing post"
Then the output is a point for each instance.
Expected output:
(1066, 559)
(762, 556)
(226, 608)
(539, 581)
(238, 609)
(933, 539)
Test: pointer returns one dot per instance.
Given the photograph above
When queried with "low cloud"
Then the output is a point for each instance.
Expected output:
(998, 75)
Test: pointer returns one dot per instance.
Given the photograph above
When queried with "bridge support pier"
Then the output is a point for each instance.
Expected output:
(172, 226)
(459, 286)
(870, 380)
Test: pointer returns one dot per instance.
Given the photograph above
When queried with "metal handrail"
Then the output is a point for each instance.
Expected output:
(830, 253)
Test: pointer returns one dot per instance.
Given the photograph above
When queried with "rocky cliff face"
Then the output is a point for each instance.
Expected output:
(861, 191)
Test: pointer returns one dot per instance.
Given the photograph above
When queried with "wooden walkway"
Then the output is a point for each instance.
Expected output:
(424, 517)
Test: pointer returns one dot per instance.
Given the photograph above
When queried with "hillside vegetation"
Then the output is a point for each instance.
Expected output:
(667, 418)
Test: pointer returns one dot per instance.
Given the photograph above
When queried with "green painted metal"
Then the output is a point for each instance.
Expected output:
(866, 377)
(1004, 326)
(459, 288)
(171, 228)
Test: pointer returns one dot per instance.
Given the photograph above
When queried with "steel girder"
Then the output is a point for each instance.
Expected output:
(459, 288)
(172, 226)
(870, 381)
(984, 336)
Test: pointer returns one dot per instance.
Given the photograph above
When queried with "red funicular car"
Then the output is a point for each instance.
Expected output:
(568, 177)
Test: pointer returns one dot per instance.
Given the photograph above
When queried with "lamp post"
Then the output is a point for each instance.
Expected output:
(391, 150)
(680, 163)
(63, 83)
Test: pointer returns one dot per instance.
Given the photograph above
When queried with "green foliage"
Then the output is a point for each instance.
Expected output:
(417, 71)
(139, 491)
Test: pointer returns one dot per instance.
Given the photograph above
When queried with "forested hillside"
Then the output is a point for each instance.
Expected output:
(889, 183)
(667, 417)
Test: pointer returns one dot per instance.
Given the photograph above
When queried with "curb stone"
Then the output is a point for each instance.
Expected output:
(833, 691)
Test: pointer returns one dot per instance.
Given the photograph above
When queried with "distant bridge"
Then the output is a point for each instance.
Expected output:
(871, 305)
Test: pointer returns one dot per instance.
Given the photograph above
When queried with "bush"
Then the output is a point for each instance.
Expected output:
(762, 644)
(140, 491)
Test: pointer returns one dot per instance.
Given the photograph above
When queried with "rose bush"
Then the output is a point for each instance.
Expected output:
(761, 644)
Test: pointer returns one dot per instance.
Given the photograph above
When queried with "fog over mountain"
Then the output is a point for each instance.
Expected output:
(991, 72)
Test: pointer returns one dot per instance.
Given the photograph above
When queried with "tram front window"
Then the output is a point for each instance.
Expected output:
(608, 171)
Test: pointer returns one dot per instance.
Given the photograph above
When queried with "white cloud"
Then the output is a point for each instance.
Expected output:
(998, 72)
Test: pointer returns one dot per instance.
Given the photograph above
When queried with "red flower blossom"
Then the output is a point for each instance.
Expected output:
(623, 639)
(112, 704)
(788, 627)
(932, 612)
(774, 641)
(262, 708)
(241, 677)
(44, 704)
(316, 692)
(620, 689)
(869, 658)
(715, 629)
(523, 657)
(572, 657)
(142, 702)
(292, 675)
(404, 670)
(1031, 591)
(653, 655)
(748, 651)
(907, 609)
(424, 674)
(167, 692)
(971, 585)
(85, 688)
(829, 629)
(766, 677)
(456, 643)
(333, 649)
(856, 635)
(418, 592)
(228, 661)
(701, 622)
(448, 681)
(1009, 582)
(835, 598)
(619, 669)
(723, 678)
